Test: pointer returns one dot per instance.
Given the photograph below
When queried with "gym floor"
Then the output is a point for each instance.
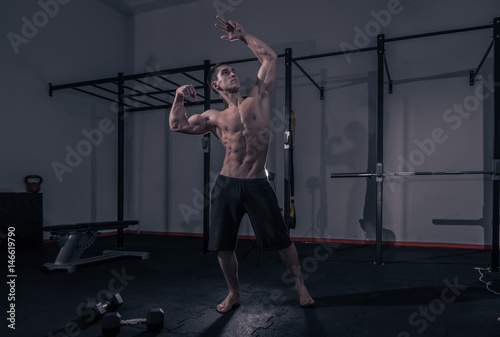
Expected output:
(417, 292)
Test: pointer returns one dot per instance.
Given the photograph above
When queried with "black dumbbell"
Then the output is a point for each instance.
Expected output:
(112, 322)
(97, 310)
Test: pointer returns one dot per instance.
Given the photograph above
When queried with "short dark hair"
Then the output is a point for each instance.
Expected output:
(212, 75)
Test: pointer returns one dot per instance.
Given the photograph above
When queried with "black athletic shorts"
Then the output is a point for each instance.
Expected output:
(231, 199)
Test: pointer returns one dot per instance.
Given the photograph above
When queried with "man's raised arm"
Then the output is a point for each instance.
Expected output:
(178, 120)
(264, 53)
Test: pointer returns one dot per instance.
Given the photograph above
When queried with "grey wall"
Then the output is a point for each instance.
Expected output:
(336, 134)
(434, 120)
(73, 41)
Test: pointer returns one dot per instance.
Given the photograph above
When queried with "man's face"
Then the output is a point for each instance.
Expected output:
(227, 79)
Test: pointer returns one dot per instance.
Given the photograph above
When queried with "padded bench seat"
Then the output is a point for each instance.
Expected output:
(75, 238)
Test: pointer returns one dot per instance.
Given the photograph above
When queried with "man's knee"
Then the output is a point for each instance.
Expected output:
(290, 247)
(225, 254)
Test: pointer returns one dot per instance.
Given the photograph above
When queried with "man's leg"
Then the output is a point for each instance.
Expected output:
(291, 259)
(229, 266)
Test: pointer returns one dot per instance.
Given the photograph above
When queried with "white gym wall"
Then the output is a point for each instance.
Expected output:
(424, 128)
(431, 76)
(61, 42)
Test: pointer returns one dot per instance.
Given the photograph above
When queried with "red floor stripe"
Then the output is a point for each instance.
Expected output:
(304, 239)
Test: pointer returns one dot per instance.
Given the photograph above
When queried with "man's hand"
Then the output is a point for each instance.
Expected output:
(233, 29)
(187, 90)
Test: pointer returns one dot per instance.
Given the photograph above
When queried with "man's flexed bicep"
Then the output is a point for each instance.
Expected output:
(179, 122)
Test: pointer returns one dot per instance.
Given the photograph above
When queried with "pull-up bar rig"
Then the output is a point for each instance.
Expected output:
(134, 95)
(379, 173)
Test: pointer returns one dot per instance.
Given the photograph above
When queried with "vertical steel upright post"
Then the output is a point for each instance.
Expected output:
(379, 137)
(121, 155)
(496, 146)
(288, 134)
(206, 162)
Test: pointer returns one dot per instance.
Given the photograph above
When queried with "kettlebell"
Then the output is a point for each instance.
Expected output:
(33, 183)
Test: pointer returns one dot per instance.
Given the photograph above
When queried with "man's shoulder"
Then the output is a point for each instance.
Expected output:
(212, 112)
(213, 116)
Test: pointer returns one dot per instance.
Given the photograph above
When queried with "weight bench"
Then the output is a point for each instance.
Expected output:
(75, 238)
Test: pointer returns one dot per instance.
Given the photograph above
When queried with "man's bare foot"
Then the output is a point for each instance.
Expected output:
(304, 298)
(231, 301)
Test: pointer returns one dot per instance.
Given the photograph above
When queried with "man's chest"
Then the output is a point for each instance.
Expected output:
(246, 117)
